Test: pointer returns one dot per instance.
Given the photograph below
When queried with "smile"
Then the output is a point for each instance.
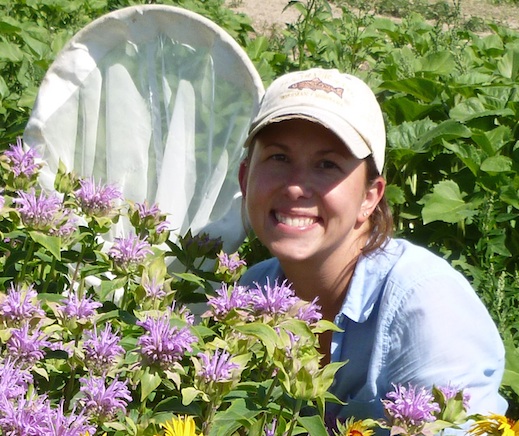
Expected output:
(294, 221)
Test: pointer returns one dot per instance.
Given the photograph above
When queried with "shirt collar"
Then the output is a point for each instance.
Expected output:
(367, 282)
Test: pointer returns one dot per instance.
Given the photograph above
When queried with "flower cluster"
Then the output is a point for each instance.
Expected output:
(100, 336)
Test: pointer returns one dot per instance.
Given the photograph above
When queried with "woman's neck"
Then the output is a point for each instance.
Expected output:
(326, 281)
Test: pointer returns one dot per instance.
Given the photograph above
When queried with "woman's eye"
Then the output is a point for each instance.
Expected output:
(278, 157)
(328, 164)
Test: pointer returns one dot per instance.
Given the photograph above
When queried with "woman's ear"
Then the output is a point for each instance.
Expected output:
(243, 174)
(374, 194)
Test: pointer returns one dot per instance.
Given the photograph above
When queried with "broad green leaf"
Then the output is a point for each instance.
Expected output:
(404, 138)
(257, 47)
(149, 382)
(497, 244)
(510, 195)
(9, 25)
(474, 108)
(491, 45)
(446, 130)
(508, 65)
(50, 243)
(445, 204)
(400, 109)
(189, 394)
(313, 424)
(9, 51)
(497, 164)
(424, 89)
(189, 277)
(441, 62)
(266, 334)
(511, 374)
(394, 194)
(467, 153)
(491, 141)
(4, 90)
(227, 422)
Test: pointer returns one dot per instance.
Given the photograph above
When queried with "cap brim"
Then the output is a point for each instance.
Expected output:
(342, 129)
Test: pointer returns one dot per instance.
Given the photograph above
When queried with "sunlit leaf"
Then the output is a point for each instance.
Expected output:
(446, 204)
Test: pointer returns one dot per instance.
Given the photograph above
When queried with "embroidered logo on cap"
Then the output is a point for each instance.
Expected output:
(317, 84)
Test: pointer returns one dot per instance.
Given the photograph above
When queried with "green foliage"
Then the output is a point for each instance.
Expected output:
(449, 94)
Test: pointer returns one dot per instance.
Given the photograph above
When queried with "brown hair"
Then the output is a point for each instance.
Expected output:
(381, 220)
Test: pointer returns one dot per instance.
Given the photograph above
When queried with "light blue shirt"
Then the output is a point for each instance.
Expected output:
(408, 317)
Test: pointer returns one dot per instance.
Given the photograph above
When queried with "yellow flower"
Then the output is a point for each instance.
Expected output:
(355, 428)
(495, 425)
(180, 426)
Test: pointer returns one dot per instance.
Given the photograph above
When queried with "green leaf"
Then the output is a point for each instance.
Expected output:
(266, 334)
(189, 277)
(313, 424)
(10, 52)
(445, 131)
(441, 62)
(445, 204)
(189, 394)
(474, 108)
(4, 90)
(50, 243)
(238, 414)
(149, 382)
(424, 89)
(497, 164)
(508, 65)
(511, 374)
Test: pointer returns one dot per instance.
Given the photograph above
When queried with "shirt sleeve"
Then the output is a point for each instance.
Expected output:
(440, 333)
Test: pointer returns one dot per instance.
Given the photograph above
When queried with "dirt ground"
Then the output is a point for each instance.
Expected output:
(268, 14)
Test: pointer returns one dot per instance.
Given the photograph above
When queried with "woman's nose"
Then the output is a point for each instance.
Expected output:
(298, 183)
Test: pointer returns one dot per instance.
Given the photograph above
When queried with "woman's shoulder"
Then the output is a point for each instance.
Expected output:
(259, 273)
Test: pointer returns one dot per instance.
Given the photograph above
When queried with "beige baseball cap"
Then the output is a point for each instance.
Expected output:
(340, 102)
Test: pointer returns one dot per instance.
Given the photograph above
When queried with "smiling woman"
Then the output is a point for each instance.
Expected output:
(311, 183)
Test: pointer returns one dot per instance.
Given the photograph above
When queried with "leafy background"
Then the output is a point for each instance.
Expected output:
(448, 87)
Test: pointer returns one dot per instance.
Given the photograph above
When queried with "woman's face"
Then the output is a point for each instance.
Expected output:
(305, 194)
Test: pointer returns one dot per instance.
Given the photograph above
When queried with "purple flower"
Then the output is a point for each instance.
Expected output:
(72, 425)
(27, 347)
(230, 262)
(97, 199)
(238, 297)
(217, 367)
(20, 305)
(45, 213)
(22, 163)
(150, 217)
(102, 350)
(450, 392)
(163, 344)
(103, 402)
(310, 312)
(25, 417)
(154, 290)
(273, 300)
(410, 407)
(14, 381)
(80, 308)
(272, 430)
(130, 251)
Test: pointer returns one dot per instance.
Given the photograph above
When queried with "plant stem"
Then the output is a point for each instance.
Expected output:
(28, 257)
(299, 403)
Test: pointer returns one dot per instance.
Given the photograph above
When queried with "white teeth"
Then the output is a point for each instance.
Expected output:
(294, 222)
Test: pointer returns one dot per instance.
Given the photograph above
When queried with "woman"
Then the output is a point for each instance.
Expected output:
(314, 195)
